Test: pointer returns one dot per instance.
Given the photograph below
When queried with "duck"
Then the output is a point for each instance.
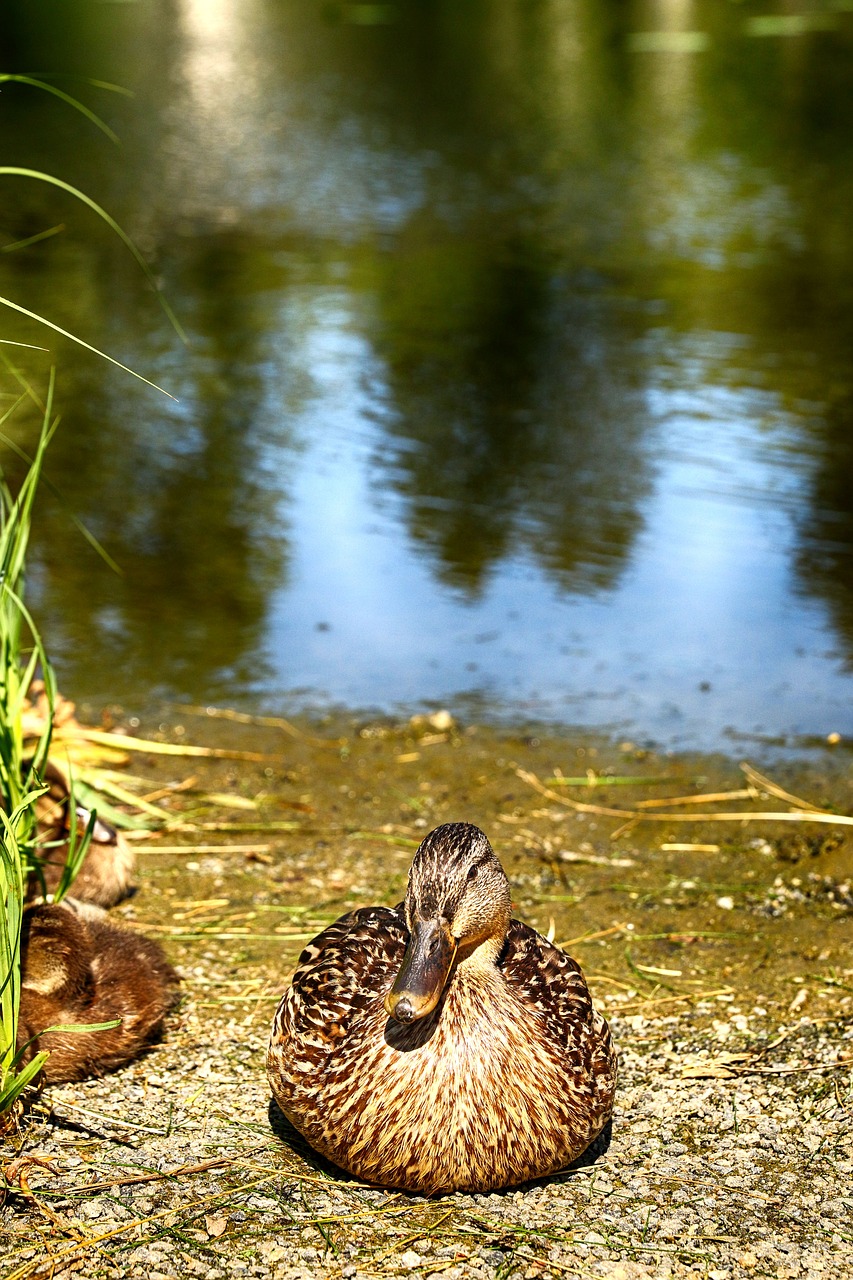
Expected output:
(106, 874)
(442, 1045)
(79, 967)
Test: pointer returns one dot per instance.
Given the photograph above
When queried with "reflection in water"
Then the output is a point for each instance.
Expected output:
(519, 356)
(212, 69)
(508, 428)
(186, 509)
(825, 556)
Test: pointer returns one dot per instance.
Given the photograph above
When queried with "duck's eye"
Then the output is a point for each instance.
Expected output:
(472, 873)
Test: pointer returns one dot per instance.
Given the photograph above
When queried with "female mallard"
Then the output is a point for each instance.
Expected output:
(493, 1066)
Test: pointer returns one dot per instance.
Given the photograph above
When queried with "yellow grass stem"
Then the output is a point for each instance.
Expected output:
(712, 797)
(178, 849)
(124, 741)
(266, 722)
(764, 783)
(633, 816)
(109, 788)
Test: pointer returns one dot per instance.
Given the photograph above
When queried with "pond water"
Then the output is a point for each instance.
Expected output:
(519, 360)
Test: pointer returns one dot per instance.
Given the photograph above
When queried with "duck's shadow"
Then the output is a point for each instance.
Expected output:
(291, 1137)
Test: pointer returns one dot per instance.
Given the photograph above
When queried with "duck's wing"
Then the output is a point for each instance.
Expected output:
(343, 973)
(551, 983)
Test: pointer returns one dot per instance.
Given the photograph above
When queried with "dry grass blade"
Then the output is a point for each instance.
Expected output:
(593, 860)
(682, 997)
(399, 1245)
(69, 1229)
(224, 800)
(632, 816)
(180, 825)
(186, 784)
(658, 972)
(178, 850)
(748, 815)
(713, 1186)
(772, 788)
(124, 741)
(728, 1066)
(594, 937)
(110, 788)
(580, 806)
(181, 1171)
(812, 1066)
(265, 722)
(678, 846)
(593, 779)
(74, 1252)
(711, 797)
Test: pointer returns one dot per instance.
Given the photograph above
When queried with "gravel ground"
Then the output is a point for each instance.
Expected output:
(723, 964)
(722, 1162)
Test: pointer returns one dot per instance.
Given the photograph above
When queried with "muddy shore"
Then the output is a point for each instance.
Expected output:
(721, 951)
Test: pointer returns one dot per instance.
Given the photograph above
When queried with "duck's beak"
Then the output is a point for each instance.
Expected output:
(424, 971)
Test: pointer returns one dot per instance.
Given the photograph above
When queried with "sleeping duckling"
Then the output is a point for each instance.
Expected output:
(442, 1046)
(105, 876)
(79, 967)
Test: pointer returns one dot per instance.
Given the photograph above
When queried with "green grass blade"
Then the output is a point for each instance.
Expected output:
(120, 89)
(81, 528)
(18, 793)
(15, 172)
(66, 97)
(16, 306)
(14, 1085)
(93, 799)
(74, 1027)
(25, 244)
(77, 847)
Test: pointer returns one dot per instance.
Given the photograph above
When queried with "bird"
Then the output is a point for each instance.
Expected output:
(78, 967)
(441, 1045)
(105, 876)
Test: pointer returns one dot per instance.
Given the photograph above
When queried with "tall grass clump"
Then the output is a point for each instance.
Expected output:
(22, 656)
(22, 761)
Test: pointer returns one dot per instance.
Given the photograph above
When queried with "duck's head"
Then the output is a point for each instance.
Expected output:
(457, 902)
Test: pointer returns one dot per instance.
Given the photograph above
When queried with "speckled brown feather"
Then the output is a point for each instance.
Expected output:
(78, 967)
(510, 1078)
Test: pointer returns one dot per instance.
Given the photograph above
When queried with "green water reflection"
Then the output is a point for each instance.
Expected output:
(520, 354)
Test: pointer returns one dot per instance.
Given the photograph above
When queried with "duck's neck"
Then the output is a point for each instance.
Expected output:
(483, 956)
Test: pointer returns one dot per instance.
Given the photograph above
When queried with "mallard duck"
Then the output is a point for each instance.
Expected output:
(78, 967)
(105, 876)
(442, 1046)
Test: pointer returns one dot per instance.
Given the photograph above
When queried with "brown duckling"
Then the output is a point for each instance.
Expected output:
(442, 1046)
(107, 870)
(79, 967)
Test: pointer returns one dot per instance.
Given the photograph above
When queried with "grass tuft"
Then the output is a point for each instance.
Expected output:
(22, 761)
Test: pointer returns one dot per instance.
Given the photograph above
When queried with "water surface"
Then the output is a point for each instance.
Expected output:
(519, 361)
